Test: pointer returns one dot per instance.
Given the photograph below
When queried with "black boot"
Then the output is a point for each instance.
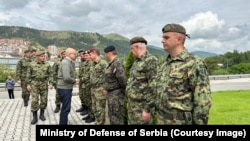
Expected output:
(81, 109)
(89, 120)
(34, 120)
(25, 103)
(42, 117)
(58, 107)
(85, 111)
(85, 118)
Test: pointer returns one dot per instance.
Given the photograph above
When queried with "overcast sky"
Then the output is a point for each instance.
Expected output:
(216, 26)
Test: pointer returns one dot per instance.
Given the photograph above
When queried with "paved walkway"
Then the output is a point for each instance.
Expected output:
(15, 118)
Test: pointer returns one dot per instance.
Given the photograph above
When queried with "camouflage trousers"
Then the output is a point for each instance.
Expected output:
(39, 93)
(25, 92)
(86, 96)
(80, 93)
(58, 100)
(98, 104)
(134, 111)
(115, 107)
(173, 118)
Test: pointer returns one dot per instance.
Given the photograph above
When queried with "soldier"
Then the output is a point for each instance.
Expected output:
(183, 88)
(83, 107)
(86, 87)
(33, 53)
(21, 73)
(97, 83)
(115, 85)
(140, 85)
(38, 78)
(55, 73)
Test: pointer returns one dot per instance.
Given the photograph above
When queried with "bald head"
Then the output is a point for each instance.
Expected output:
(71, 53)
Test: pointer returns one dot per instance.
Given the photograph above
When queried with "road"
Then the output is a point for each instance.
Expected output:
(216, 85)
(230, 84)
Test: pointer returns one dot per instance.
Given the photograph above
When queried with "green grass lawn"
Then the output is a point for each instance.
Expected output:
(230, 107)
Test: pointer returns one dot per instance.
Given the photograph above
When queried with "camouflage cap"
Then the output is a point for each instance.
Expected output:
(174, 28)
(38, 53)
(62, 51)
(26, 50)
(138, 39)
(33, 50)
(109, 49)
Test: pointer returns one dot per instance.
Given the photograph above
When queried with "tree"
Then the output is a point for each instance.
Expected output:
(5, 70)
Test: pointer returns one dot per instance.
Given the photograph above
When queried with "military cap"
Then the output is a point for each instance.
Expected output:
(81, 50)
(26, 50)
(109, 49)
(86, 52)
(33, 50)
(175, 28)
(62, 51)
(92, 49)
(138, 39)
(38, 53)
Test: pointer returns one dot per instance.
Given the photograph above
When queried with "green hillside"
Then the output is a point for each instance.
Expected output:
(77, 40)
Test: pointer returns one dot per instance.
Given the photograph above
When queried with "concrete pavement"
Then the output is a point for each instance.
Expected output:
(15, 118)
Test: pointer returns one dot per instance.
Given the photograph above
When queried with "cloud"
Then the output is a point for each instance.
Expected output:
(13, 4)
(204, 25)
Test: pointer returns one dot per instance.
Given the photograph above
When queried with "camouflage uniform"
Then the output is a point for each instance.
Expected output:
(140, 87)
(80, 93)
(97, 83)
(183, 91)
(21, 73)
(54, 71)
(86, 94)
(38, 76)
(115, 84)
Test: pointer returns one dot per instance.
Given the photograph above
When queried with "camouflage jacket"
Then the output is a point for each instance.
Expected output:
(54, 71)
(183, 85)
(141, 82)
(115, 76)
(81, 70)
(97, 73)
(85, 78)
(21, 68)
(39, 72)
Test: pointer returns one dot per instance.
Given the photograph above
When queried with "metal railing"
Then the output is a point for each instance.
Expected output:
(211, 77)
(223, 77)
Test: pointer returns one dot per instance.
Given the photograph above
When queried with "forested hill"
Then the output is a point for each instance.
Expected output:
(77, 40)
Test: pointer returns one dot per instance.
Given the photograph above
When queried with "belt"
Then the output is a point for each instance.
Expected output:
(39, 79)
(175, 115)
(112, 89)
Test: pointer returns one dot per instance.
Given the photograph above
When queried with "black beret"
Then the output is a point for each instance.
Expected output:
(80, 51)
(138, 40)
(109, 49)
